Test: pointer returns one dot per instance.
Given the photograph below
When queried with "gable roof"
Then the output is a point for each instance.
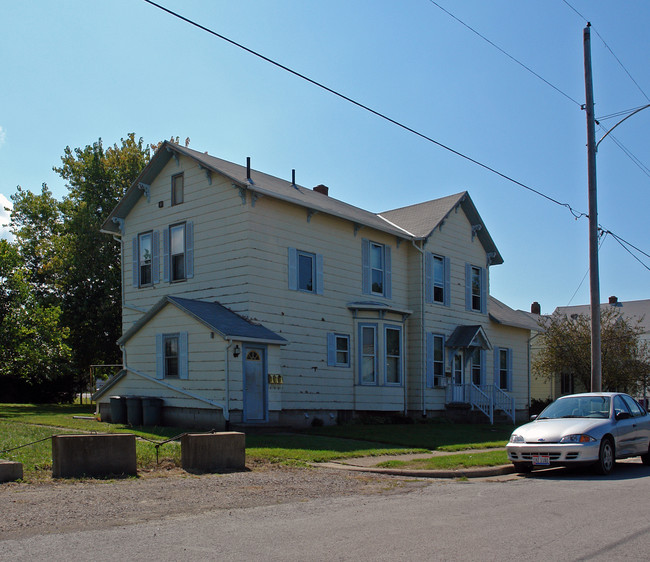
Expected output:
(423, 218)
(260, 184)
(216, 317)
(503, 314)
(468, 336)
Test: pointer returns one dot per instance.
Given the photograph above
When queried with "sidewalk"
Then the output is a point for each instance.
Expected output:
(369, 464)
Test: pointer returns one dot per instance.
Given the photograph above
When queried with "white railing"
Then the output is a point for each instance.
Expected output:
(486, 398)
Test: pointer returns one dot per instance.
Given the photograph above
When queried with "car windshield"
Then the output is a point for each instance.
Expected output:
(577, 407)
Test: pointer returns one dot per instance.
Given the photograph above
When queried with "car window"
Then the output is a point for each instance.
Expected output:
(619, 406)
(636, 410)
(578, 407)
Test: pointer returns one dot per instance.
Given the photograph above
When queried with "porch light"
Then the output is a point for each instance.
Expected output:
(236, 351)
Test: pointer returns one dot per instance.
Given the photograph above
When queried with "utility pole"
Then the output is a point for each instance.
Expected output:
(596, 365)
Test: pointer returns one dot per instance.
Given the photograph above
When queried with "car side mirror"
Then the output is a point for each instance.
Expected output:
(533, 417)
(623, 416)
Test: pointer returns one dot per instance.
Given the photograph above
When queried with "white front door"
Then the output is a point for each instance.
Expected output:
(458, 394)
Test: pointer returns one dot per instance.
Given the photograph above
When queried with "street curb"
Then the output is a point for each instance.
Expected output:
(479, 472)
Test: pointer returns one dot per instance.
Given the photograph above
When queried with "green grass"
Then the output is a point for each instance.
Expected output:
(442, 436)
(25, 423)
(451, 462)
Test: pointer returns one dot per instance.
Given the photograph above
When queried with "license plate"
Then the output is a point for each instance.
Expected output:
(541, 460)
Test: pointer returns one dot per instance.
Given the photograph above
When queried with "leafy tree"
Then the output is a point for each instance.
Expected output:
(34, 356)
(566, 349)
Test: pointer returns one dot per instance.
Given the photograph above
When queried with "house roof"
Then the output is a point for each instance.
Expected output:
(423, 218)
(213, 315)
(639, 310)
(503, 314)
(260, 184)
(468, 336)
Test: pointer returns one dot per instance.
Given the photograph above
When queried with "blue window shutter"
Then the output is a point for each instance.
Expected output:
(183, 363)
(484, 290)
(365, 266)
(447, 296)
(166, 255)
(331, 349)
(510, 369)
(497, 366)
(155, 258)
(388, 290)
(468, 287)
(429, 360)
(136, 262)
(428, 277)
(483, 365)
(189, 250)
(293, 269)
(160, 359)
(319, 274)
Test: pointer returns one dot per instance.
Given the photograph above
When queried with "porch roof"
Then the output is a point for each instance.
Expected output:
(468, 336)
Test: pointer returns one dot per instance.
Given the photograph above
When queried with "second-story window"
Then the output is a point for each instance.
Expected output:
(177, 252)
(145, 258)
(305, 271)
(475, 288)
(376, 264)
(178, 189)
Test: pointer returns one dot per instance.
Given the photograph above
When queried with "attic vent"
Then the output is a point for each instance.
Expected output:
(322, 189)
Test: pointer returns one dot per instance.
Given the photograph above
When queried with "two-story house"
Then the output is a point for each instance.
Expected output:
(250, 299)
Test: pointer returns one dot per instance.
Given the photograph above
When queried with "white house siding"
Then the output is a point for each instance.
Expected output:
(220, 240)
(515, 339)
(305, 319)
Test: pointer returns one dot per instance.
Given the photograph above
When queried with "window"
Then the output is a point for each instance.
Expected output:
(436, 360)
(637, 411)
(368, 354)
(171, 356)
(393, 350)
(305, 271)
(477, 366)
(178, 252)
(178, 189)
(170, 349)
(338, 350)
(376, 268)
(145, 255)
(146, 261)
(437, 279)
(475, 288)
(566, 383)
(503, 368)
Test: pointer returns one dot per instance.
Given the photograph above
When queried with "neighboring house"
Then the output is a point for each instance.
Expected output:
(250, 299)
(564, 383)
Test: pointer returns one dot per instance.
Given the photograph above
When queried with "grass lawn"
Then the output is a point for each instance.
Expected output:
(21, 424)
(451, 462)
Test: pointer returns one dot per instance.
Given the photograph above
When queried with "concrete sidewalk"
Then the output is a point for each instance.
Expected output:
(369, 464)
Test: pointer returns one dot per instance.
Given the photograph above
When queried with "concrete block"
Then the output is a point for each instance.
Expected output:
(93, 455)
(10, 470)
(211, 452)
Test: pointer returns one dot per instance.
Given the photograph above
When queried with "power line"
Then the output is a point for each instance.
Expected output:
(506, 53)
(624, 246)
(602, 241)
(576, 214)
(629, 154)
(619, 113)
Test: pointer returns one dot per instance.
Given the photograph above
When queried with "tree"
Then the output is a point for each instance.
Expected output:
(566, 349)
(34, 356)
(91, 271)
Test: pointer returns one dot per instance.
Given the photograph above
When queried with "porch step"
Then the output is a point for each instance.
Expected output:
(463, 413)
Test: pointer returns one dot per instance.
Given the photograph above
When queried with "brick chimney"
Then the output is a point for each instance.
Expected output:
(613, 300)
(322, 189)
(535, 308)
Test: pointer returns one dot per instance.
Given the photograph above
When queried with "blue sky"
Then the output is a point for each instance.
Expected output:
(77, 70)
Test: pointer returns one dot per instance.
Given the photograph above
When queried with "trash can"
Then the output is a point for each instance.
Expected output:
(134, 410)
(118, 409)
(151, 410)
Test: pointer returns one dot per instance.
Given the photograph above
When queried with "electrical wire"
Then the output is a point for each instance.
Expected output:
(576, 214)
(624, 246)
(506, 53)
(631, 156)
(602, 241)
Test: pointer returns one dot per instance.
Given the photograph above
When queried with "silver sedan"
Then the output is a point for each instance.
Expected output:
(590, 428)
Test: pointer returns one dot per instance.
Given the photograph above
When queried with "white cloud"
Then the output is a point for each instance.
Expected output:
(4, 216)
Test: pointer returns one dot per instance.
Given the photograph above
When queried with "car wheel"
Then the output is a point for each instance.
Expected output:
(645, 459)
(523, 467)
(606, 457)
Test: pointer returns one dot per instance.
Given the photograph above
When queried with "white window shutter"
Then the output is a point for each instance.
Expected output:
(155, 258)
(293, 269)
(388, 289)
(428, 277)
(135, 262)
(166, 255)
(447, 296)
(365, 266)
(183, 356)
(331, 349)
(160, 357)
(319, 274)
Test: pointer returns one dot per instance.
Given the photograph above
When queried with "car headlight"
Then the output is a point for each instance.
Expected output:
(514, 438)
(577, 438)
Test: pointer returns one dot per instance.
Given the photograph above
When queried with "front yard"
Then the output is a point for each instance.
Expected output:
(32, 425)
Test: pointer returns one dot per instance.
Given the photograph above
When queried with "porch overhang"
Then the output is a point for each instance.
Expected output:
(466, 337)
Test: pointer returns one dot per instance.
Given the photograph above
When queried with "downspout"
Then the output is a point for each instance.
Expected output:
(228, 376)
(422, 342)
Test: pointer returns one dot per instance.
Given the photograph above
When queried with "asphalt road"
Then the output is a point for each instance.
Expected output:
(550, 515)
